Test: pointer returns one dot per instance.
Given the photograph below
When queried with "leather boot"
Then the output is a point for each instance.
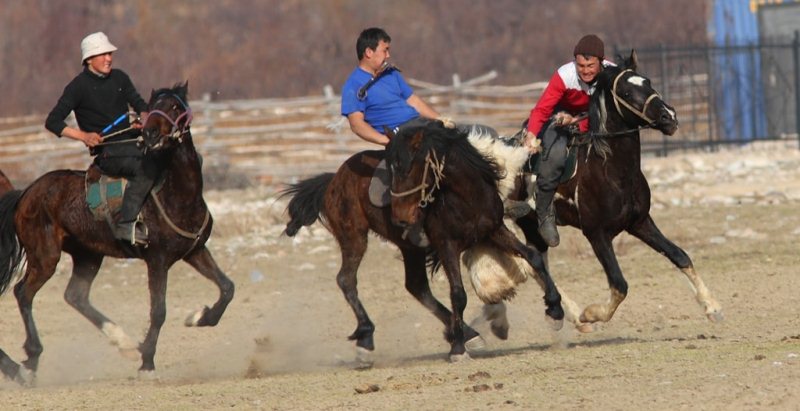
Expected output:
(546, 216)
(131, 232)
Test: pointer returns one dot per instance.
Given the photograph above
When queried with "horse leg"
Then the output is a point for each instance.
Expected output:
(157, 283)
(40, 269)
(417, 284)
(84, 270)
(204, 263)
(458, 301)
(647, 231)
(601, 244)
(505, 240)
(352, 253)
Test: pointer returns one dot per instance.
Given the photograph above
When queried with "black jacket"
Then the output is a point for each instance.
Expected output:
(97, 102)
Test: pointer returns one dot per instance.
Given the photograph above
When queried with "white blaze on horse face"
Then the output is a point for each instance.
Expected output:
(636, 80)
(671, 112)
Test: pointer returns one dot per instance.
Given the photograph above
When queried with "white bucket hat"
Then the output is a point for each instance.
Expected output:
(95, 44)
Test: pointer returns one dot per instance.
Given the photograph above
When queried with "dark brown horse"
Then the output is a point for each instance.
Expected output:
(609, 193)
(52, 216)
(439, 177)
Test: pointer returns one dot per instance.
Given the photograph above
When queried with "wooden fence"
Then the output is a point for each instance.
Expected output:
(272, 141)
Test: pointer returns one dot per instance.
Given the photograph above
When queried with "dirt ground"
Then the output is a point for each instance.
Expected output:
(282, 343)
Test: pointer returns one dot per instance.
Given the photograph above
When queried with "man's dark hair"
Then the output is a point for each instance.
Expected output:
(369, 38)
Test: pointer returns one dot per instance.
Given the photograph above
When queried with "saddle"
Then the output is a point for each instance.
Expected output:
(570, 164)
(104, 194)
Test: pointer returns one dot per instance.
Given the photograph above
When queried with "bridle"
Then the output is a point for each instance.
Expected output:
(178, 129)
(436, 168)
(584, 138)
(639, 113)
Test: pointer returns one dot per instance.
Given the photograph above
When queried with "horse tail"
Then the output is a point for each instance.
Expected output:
(308, 197)
(11, 253)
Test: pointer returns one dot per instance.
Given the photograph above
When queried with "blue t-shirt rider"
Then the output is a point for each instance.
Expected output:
(388, 101)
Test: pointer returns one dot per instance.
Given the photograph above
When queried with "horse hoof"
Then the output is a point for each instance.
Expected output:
(456, 358)
(476, 343)
(555, 325)
(148, 375)
(364, 359)
(193, 320)
(715, 317)
(585, 328)
(500, 330)
(25, 377)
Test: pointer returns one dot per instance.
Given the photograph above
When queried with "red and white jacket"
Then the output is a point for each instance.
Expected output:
(565, 92)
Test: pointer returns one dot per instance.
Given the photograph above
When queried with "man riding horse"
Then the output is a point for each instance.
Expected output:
(566, 95)
(100, 96)
(376, 98)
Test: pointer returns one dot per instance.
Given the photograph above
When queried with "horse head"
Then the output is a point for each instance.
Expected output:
(635, 102)
(168, 118)
(416, 168)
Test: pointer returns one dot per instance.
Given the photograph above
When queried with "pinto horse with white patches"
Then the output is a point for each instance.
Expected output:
(609, 193)
(52, 216)
(438, 177)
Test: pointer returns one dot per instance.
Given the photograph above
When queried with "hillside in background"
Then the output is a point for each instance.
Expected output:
(249, 49)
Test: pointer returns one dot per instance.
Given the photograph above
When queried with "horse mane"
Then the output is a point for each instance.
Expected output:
(454, 144)
(597, 111)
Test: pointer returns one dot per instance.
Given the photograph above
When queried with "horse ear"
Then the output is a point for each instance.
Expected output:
(183, 89)
(416, 141)
(633, 61)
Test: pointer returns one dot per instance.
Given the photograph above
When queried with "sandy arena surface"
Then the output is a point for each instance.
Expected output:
(282, 343)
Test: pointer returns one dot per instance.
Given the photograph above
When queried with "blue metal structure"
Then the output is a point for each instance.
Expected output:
(738, 88)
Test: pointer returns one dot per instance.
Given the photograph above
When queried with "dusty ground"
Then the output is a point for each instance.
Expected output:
(659, 351)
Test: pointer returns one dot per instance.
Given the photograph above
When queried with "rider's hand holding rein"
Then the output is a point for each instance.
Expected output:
(139, 121)
(563, 118)
(532, 143)
(89, 139)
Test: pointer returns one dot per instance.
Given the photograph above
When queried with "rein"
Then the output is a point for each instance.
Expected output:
(436, 167)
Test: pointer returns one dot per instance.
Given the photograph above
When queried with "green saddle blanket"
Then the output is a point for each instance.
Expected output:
(104, 196)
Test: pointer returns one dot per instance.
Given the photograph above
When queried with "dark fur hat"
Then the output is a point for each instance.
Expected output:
(590, 45)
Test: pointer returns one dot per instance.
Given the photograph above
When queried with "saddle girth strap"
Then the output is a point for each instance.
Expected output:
(180, 231)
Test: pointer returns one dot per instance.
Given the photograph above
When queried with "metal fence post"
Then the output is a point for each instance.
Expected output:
(710, 104)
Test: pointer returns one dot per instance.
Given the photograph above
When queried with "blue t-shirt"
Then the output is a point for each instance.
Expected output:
(385, 103)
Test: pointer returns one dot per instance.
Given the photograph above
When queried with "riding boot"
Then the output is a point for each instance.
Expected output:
(546, 216)
(130, 227)
(133, 232)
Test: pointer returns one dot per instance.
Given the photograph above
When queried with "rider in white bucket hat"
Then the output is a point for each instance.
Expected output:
(94, 45)
(101, 97)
